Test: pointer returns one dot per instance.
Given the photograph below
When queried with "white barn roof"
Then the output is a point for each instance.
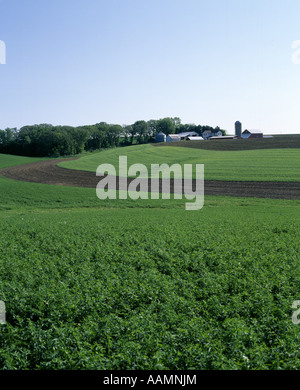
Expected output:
(195, 138)
(187, 133)
(223, 137)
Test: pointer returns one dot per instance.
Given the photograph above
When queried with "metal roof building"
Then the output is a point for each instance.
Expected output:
(195, 138)
(223, 137)
(160, 137)
(186, 134)
(172, 138)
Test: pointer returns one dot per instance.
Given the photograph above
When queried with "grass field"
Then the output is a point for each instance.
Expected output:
(92, 284)
(7, 160)
(245, 165)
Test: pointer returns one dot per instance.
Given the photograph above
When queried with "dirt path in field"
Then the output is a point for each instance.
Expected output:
(47, 172)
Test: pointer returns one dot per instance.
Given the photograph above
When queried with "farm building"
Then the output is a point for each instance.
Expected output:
(160, 137)
(195, 138)
(208, 133)
(185, 135)
(173, 138)
(252, 134)
(238, 128)
(223, 137)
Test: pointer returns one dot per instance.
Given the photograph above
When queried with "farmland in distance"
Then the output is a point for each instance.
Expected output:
(123, 284)
(242, 165)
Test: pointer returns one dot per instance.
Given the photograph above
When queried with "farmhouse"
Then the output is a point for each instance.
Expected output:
(252, 134)
(208, 133)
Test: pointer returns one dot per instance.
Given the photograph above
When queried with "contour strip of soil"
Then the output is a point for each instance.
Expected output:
(47, 172)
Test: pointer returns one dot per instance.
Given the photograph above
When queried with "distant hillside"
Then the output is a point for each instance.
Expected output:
(243, 165)
(277, 142)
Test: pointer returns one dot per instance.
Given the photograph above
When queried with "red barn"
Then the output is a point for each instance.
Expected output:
(252, 134)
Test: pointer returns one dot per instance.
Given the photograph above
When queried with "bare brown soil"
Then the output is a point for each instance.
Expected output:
(47, 172)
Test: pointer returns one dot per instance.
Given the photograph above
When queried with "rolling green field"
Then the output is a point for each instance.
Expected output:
(91, 284)
(245, 165)
(7, 160)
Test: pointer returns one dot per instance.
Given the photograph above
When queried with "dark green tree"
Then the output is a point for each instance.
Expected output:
(140, 129)
(166, 125)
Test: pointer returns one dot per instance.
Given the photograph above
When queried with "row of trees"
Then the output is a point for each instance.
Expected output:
(48, 140)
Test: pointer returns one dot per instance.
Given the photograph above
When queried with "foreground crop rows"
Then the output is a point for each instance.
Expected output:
(145, 284)
(150, 288)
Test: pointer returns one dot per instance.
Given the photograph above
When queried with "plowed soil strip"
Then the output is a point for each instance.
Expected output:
(47, 172)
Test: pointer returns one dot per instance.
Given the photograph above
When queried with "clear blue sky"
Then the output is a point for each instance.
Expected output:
(209, 62)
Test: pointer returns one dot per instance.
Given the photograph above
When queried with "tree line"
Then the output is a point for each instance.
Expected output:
(46, 140)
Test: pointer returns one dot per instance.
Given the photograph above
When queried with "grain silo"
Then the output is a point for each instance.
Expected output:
(160, 137)
(238, 129)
